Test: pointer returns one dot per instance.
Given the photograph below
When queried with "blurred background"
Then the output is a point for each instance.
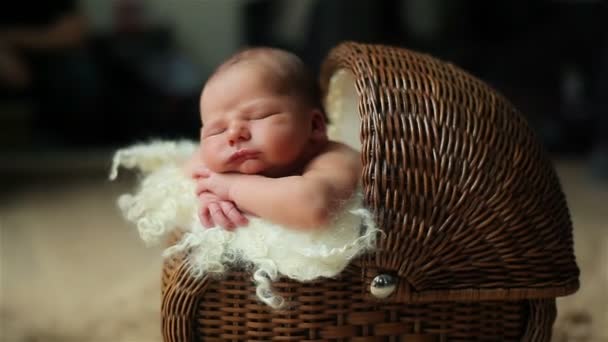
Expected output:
(80, 78)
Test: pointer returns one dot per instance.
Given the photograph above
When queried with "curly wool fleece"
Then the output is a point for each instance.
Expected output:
(166, 201)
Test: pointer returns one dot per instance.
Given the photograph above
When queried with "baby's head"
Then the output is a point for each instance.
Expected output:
(261, 114)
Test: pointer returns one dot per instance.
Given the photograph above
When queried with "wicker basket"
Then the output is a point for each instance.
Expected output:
(478, 234)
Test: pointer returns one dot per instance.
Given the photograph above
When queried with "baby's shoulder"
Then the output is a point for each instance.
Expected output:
(340, 149)
(337, 154)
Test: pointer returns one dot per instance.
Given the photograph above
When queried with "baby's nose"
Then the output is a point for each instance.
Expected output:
(238, 132)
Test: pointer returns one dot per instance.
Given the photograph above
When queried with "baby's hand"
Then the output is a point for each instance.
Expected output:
(215, 211)
(217, 183)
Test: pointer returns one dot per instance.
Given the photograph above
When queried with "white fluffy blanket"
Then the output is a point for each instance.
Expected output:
(165, 200)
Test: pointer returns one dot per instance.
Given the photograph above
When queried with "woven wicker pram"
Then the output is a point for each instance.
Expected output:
(478, 234)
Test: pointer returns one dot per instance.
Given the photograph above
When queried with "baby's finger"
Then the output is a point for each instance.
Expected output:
(201, 188)
(233, 214)
(205, 218)
(219, 218)
(202, 172)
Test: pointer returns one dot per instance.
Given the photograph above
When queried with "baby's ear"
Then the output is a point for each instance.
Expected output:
(319, 125)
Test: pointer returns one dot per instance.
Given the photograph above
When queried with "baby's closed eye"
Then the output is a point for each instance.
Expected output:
(217, 130)
(212, 130)
(264, 115)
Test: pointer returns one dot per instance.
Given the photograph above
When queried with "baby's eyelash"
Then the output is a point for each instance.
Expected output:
(264, 115)
(217, 131)
(214, 131)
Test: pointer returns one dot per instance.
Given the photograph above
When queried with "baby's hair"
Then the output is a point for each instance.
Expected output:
(289, 70)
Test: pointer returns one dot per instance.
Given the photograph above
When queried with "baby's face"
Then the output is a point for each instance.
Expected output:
(249, 126)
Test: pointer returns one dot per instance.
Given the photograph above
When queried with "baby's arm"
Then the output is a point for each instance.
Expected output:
(306, 201)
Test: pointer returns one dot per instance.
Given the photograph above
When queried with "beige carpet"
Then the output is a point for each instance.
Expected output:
(72, 270)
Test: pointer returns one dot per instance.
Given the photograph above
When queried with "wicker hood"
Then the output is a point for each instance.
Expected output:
(470, 203)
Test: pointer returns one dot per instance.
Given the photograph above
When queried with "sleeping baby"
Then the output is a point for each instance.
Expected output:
(264, 161)
(264, 148)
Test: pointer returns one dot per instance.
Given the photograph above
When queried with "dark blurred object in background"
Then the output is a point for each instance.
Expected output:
(63, 87)
(599, 109)
(44, 64)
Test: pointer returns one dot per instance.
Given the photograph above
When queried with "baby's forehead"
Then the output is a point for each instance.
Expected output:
(274, 73)
(241, 97)
(244, 77)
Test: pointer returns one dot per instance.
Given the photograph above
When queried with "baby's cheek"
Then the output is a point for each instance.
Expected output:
(280, 137)
(211, 159)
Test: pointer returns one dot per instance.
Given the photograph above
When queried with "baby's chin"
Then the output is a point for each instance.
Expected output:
(252, 167)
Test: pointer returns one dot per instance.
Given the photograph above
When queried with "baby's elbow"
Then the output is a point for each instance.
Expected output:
(322, 211)
(319, 217)
(317, 207)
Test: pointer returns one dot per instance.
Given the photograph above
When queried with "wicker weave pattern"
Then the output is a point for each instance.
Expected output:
(477, 228)
(336, 310)
(458, 181)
